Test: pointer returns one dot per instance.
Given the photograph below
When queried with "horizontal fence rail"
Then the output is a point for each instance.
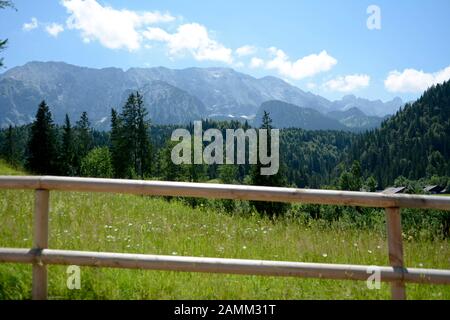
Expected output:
(40, 256)
(222, 191)
(220, 265)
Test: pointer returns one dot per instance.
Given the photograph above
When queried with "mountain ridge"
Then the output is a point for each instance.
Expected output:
(72, 89)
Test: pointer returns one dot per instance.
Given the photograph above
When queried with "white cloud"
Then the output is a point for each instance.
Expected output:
(54, 29)
(157, 34)
(192, 38)
(302, 68)
(113, 28)
(246, 51)
(155, 17)
(256, 63)
(414, 81)
(348, 83)
(125, 29)
(30, 25)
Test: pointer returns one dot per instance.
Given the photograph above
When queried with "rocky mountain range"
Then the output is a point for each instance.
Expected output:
(171, 96)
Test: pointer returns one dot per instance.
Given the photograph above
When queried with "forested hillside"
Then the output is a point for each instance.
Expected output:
(414, 143)
(313, 157)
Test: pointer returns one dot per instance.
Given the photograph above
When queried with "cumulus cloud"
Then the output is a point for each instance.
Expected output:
(125, 29)
(246, 51)
(33, 24)
(54, 29)
(414, 81)
(302, 68)
(192, 38)
(348, 83)
(256, 62)
(113, 28)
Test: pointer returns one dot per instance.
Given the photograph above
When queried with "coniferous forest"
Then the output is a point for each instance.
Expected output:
(411, 146)
(409, 150)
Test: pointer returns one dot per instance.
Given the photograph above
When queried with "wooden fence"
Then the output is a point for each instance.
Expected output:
(396, 274)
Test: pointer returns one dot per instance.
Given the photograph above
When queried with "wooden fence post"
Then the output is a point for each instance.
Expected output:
(40, 241)
(395, 245)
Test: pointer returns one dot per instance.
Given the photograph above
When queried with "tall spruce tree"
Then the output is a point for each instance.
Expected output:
(129, 130)
(10, 148)
(119, 148)
(276, 180)
(42, 145)
(134, 127)
(143, 141)
(84, 136)
(69, 157)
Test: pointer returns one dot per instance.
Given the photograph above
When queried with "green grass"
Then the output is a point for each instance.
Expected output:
(7, 170)
(135, 224)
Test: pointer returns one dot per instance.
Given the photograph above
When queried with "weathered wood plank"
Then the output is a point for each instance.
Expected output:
(39, 290)
(227, 266)
(395, 245)
(220, 191)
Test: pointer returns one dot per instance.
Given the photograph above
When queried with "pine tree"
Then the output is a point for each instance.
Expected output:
(69, 157)
(9, 148)
(143, 143)
(119, 158)
(84, 136)
(42, 145)
(135, 133)
(276, 180)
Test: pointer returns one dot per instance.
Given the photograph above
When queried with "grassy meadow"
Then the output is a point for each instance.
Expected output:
(137, 224)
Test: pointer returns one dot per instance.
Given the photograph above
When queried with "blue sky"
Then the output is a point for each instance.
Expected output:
(321, 46)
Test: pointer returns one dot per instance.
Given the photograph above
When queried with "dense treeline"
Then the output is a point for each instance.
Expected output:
(15, 146)
(313, 157)
(125, 152)
(411, 146)
(414, 143)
